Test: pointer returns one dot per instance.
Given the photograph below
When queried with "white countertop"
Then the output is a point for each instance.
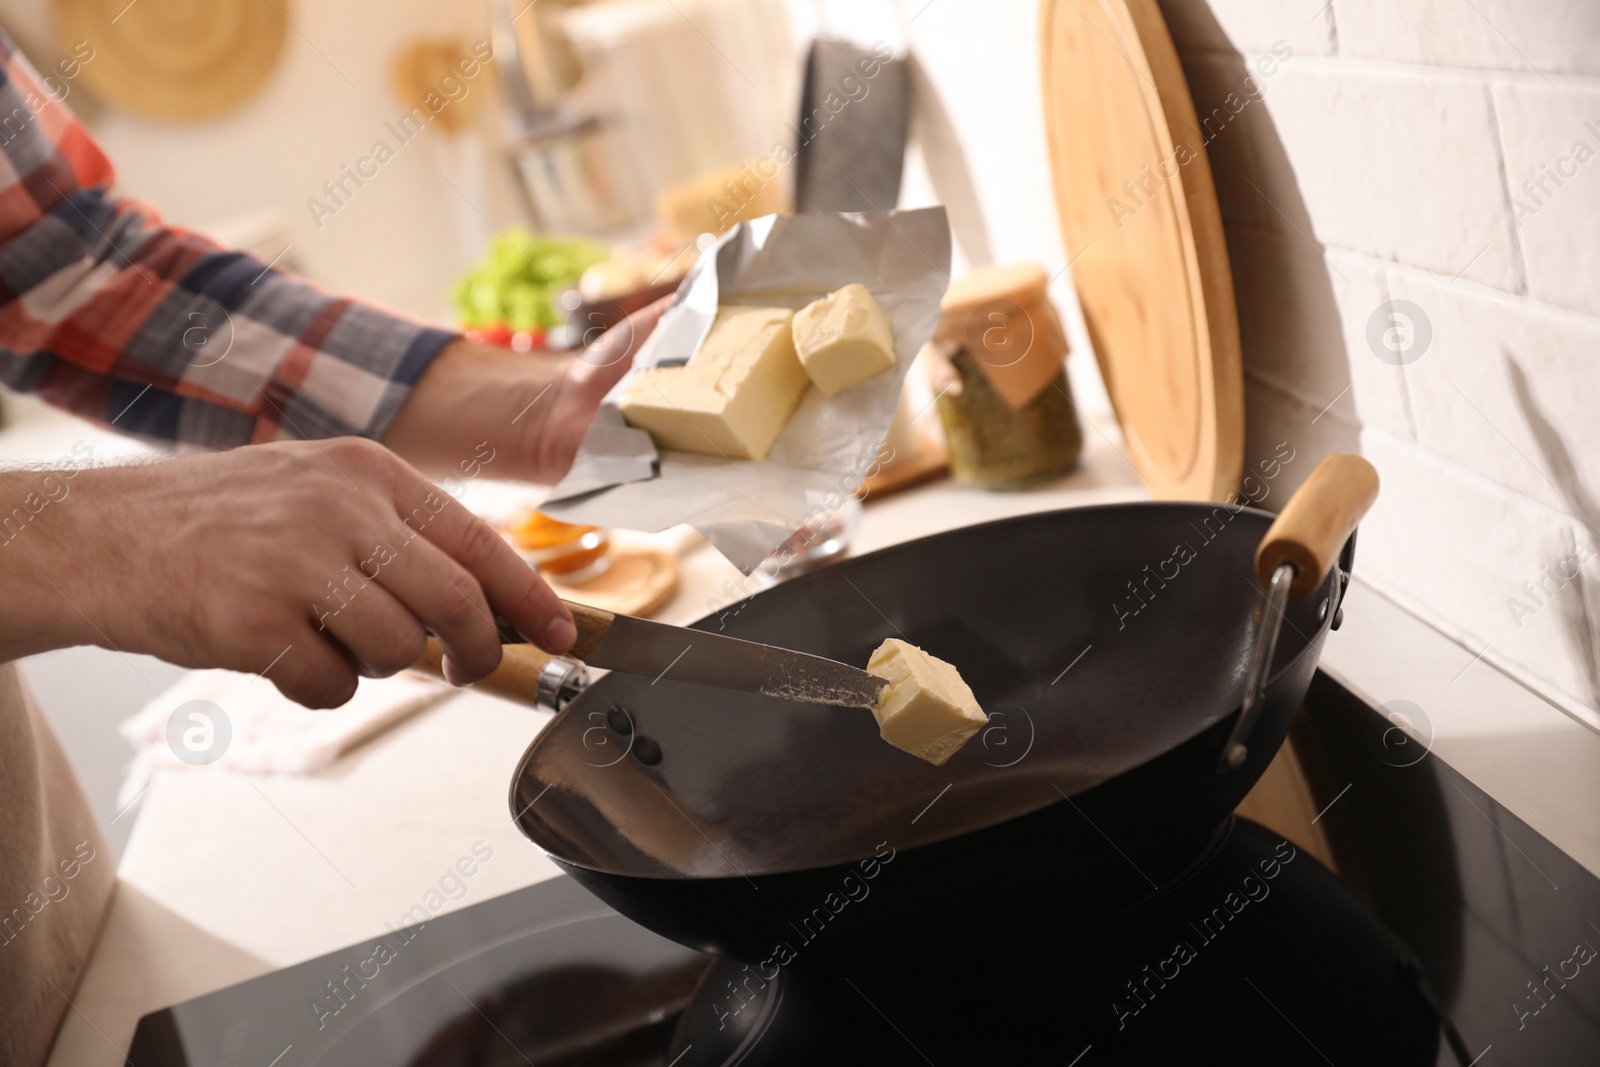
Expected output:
(226, 878)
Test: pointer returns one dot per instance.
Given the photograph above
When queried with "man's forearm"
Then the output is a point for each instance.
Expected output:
(471, 394)
(41, 561)
(531, 408)
(304, 562)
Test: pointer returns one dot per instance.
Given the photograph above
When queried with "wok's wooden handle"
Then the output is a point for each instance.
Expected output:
(1312, 528)
(517, 677)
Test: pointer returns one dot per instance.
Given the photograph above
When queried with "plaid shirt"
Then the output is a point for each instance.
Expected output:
(124, 321)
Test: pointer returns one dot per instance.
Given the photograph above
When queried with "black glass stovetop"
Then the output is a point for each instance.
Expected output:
(1382, 910)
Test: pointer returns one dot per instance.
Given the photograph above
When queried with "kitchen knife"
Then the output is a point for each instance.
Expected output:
(657, 650)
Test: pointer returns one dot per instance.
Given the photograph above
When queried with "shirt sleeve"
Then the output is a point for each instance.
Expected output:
(157, 331)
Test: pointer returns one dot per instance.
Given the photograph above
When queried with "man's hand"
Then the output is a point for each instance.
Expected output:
(313, 562)
(532, 408)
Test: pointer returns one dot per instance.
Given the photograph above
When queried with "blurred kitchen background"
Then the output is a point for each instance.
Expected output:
(1430, 157)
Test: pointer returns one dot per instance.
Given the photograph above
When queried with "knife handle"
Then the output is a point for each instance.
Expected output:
(521, 663)
(592, 626)
(517, 677)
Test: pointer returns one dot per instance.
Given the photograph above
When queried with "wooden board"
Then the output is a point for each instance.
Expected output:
(931, 463)
(1139, 216)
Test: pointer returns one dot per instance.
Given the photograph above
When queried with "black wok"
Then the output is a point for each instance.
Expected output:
(1109, 646)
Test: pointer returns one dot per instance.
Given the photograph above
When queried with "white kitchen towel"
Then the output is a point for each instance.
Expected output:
(242, 724)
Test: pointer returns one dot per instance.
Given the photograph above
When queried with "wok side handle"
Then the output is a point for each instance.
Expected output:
(1314, 531)
(1311, 530)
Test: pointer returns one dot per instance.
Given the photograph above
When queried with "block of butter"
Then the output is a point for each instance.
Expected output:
(733, 397)
(927, 710)
(843, 339)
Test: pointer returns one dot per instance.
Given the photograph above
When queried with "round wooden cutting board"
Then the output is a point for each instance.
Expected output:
(1140, 220)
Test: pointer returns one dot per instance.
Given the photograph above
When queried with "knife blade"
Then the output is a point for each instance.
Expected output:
(657, 650)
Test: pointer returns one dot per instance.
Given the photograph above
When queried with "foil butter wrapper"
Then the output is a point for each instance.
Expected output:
(744, 508)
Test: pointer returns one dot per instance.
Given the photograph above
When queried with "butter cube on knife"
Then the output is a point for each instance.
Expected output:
(927, 710)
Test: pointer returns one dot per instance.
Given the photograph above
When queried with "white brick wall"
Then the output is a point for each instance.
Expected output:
(1396, 166)
(1234, 26)
(1553, 36)
(1460, 548)
(1551, 135)
(1432, 151)
(1387, 163)
(1514, 392)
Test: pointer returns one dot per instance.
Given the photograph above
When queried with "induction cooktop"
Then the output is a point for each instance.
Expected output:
(1368, 906)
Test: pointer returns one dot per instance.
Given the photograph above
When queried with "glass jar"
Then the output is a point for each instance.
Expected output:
(995, 447)
(996, 360)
